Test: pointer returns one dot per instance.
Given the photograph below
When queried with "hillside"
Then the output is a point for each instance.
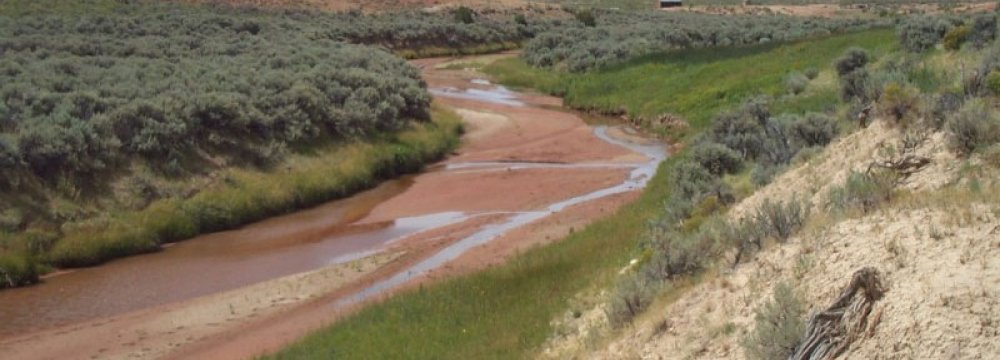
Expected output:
(936, 244)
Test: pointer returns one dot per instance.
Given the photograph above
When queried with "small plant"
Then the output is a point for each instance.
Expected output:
(586, 17)
(717, 158)
(520, 19)
(464, 15)
(974, 126)
(813, 129)
(853, 59)
(993, 82)
(944, 105)
(811, 72)
(918, 34)
(862, 191)
(779, 325)
(17, 270)
(984, 30)
(796, 83)
(632, 295)
(955, 37)
(898, 102)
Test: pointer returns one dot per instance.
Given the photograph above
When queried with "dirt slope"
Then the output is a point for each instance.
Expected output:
(937, 244)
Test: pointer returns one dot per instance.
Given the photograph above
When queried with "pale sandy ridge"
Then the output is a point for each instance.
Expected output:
(938, 246)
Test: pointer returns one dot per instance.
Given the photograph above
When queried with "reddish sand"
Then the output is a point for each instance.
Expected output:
(263, 317)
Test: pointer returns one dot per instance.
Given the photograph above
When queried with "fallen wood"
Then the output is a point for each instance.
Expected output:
(830, 332)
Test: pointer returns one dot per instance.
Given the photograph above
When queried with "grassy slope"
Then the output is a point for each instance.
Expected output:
(696, 84)
(505, 312)
(328, 172)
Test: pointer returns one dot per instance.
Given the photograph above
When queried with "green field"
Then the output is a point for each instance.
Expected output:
(696, 84)
(505, 312)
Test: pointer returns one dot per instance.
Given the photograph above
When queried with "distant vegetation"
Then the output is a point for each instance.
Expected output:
(618, 36)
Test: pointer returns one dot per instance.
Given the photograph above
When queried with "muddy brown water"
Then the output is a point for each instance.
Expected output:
(211, 263)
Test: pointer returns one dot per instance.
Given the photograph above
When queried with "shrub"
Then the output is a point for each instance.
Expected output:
(796, 82)
(762, 174)
(586, 17)
(917, 34)
(861, 191)
(690, 180)
(521, 20)
(811, 72)
(852, 59)
(782, 220)
(898, 102)
(779, 325)
(944, 105)
(17, 270)
(955, 37)
(464, 15)
(676, 254)
(858, 86)
(993, 82)
(717, 158)
(973, 127)
(633, 294)
(813, 129)
(984, 30)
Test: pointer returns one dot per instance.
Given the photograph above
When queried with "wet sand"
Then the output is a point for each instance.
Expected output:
(524, 176)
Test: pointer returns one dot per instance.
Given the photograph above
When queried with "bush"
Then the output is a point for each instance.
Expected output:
(464, 15)
(586, 17)
(716, 158)
(858, 86)
(955, 37)
(761, 175)
(974, 126)
(779, 325)
(17, 270)
(796, 83)
(917, 34)
(811, 73)
(864, 192)
(771, 220)
(782, 220)
(898, 102)
(984, 30)
(813, 129)
(632, 296)
(993, 82)
(677, 254)
(944, 105)
(852, 59)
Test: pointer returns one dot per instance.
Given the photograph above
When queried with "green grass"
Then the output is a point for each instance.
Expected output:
(35, 7)
(695, 84)
(499, 313)
(242, 196)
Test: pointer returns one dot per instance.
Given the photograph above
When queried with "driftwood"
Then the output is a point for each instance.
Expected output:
(830, 332)
(907, 162)
(905, 165)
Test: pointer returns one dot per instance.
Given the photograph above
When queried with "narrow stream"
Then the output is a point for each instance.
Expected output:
(638, 179)
(290, 244)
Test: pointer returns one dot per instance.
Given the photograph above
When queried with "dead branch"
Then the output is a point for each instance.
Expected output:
(831, 331)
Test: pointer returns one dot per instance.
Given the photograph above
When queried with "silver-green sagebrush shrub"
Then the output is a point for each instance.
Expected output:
(779, 325)
(973, 127)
